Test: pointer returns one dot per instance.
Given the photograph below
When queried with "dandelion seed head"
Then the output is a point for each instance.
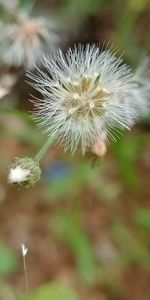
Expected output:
(9, 4)
(84, 94)
(26, 40)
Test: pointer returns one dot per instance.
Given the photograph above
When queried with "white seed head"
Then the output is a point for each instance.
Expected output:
(27, 39)
(18, 174)
(92, 97)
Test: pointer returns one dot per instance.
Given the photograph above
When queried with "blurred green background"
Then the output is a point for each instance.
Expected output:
(87, 228)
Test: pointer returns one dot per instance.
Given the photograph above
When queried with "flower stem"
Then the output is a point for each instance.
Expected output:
(25, 273)
(43, 150)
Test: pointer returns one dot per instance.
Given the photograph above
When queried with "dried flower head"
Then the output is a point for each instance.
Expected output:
(85, 94)
(25, 40)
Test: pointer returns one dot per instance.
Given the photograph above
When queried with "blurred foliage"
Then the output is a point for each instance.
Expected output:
(69, 230)
(132, 248)
(26, 4)
(7, 292)
(141, 217)
(8, 260)
(27, 132)
(71, 183)
(126, 152)
(81, 8)
(125, 36)
(52, 291)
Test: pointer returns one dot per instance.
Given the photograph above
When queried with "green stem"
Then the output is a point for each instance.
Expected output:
(43, 150)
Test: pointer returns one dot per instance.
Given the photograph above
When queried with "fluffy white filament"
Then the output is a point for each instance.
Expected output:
(85, 93)
(18, 175)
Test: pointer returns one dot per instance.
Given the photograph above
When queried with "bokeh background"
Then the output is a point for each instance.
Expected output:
(87, 228)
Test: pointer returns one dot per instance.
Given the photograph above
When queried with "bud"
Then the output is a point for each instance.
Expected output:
(24, 172)
(99, 148)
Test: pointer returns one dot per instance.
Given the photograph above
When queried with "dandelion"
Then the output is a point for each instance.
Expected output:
(25, 40)
(84, 94)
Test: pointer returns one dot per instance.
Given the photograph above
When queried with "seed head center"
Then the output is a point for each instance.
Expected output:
(28, 29)
(85, 96)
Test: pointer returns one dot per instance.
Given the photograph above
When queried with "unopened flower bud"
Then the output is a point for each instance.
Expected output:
(99, 148)
(24, 172)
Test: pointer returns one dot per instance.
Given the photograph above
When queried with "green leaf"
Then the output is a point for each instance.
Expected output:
(8, 261)
(52, 291)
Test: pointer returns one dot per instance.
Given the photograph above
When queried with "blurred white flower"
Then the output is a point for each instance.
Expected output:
(9, 4)
(86, 94)
(7, 81)
(25, 40)
(3, 92)
(24, 250)
(142, 93)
